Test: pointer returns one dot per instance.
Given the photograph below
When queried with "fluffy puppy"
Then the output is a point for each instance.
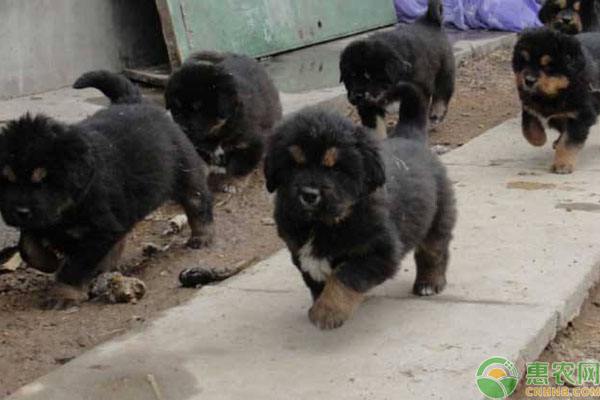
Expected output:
(557, 78)
(227, 105)
(571, 16)
(349, 212)
(418, 53)
(75, 191)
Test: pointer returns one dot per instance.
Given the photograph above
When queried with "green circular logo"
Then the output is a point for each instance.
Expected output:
(497, 378)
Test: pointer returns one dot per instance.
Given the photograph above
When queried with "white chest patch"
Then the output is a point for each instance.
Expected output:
(318, 268)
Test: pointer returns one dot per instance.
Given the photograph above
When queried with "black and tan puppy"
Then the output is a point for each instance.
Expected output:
(558, 79)
(419, 53)
(571, 16)
(349, 212)
(75, 191)
(227, 105)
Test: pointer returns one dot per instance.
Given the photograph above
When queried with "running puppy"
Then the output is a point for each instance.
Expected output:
(227, 105)
(419, 53)
(75, 191)
(571, 16)
(349, 212)
(558, 79)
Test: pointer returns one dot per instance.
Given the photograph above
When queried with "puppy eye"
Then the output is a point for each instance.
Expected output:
(367, 76)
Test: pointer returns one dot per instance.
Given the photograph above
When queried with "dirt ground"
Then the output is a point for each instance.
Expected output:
(33, 342)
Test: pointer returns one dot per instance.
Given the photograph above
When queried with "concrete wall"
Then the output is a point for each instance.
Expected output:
(47, 44)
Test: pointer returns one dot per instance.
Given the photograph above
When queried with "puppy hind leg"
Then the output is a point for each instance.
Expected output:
(443, 91)
(432, 254)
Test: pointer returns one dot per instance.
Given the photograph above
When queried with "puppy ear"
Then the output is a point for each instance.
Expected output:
(272, 164)
(373, 164)
(227, 99)
(573, 55)
(397, 69)
(545, 15)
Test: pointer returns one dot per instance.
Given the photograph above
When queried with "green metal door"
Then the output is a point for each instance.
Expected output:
(263, 27)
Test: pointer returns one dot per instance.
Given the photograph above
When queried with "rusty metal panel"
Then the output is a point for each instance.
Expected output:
(263, 27)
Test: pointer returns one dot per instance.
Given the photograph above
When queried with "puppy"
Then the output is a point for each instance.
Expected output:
(571, 16)
(349, 212)
(75, 191)
(227, 105)
(418, 53)
(557, 78)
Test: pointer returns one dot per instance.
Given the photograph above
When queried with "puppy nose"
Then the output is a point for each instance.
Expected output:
(354, 97)
(567, 19)
(310, 196)
(530, 80)
(24, 213)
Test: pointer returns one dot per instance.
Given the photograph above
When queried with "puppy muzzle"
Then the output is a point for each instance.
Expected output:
(309, 197)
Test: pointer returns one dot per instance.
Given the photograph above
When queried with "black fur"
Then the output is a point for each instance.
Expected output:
(117, 88)
(375, 204)
(225, 102)
(574, 60)
(418, 53)
(77, 190)
(577, 16)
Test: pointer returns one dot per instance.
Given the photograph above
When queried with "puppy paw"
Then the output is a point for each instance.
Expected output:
(199, 242)
(325, 317)
(563, 168)
(438, 112)
(62, 297)
(428, 288)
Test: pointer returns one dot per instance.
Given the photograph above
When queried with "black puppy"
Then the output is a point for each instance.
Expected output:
(227, 105)
(75, 191)
(418, 53)
(349, 212)
(571, 16)
(558, 79)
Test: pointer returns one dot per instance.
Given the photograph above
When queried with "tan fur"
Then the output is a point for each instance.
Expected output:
(330, 157)
(519, 79)
(565, 156)
(562, 3)
(38, 175)
(380, 128)
(9, 174)
(525, 55)
(336, 304)
(297, 154)
(217, 126)
(577, 6)
(552, 85)
(545, 60)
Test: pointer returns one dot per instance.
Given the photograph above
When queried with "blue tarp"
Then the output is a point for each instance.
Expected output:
(505, 15)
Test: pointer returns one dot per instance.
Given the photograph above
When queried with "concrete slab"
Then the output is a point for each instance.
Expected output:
(522, 261)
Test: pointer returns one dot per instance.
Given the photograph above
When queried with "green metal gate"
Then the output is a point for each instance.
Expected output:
(263, 27)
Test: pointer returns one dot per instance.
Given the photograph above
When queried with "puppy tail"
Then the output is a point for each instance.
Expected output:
(435, 13)
(414, 110)
(117, 88)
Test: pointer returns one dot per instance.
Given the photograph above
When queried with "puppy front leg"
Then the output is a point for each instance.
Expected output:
(78, 269)
(244, 157)
(568, 146)
(345, 290)
(533, 130)
(374, 119)
(36, 255)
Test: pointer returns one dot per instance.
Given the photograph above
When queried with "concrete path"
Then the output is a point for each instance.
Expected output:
(525, 253)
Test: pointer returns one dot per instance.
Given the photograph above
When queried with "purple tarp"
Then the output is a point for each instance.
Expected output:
(505, 15)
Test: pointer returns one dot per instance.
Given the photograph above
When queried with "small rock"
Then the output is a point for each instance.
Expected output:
(440, 149)
(267, 221)
(113, 287)
(176, 225)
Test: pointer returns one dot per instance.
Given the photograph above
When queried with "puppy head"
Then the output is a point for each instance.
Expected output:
(368, 68)
(546, 62)
(322, 165)
(564, 15)
(45, 169)
(202, 97)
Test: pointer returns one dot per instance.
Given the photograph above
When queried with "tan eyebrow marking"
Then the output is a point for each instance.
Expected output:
(9, 174)
(525, 55)
(545, 60)
(330, 157)
(577, 6)
(38, 175)
(297, 154)
(562, 3)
